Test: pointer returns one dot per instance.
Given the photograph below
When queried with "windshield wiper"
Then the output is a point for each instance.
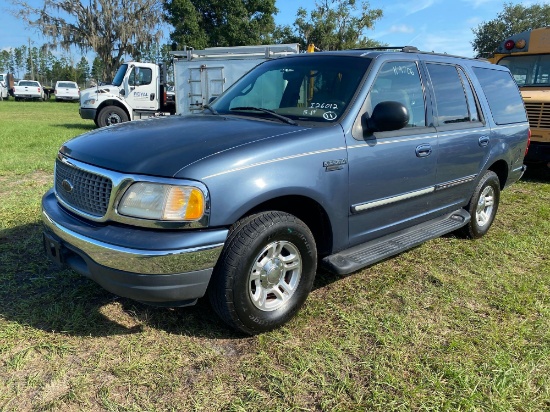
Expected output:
(270, 112)
(207, 106)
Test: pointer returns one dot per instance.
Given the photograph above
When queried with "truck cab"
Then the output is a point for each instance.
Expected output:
(136, 92)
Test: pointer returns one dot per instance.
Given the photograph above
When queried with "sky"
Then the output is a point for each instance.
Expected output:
(443, 26)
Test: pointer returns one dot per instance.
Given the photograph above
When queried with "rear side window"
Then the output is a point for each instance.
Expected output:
(502, 94)
(450, 96)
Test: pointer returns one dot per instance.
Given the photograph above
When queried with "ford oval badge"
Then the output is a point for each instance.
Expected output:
(67, 186)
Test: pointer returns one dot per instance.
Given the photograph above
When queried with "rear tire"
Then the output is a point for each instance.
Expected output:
(483, 206)
(265, 272)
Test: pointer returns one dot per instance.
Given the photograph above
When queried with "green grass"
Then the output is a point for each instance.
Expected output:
(451, 325)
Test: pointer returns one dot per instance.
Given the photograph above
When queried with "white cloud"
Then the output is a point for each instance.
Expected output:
(401, 28)
(478, 3)
(409, 7)
(421, 5)
(453, 42)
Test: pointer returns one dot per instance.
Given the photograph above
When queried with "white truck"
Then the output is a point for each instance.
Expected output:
(29, 89)
(6, 85)
(138, 90)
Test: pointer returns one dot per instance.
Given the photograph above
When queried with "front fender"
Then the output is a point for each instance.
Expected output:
(115, 101)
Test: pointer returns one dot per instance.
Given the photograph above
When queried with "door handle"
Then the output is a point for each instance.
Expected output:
(423, 150)
(483, 141)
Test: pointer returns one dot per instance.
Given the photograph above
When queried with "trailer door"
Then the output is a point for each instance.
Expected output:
(204, 83)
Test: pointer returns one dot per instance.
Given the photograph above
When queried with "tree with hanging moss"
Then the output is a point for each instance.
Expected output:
(112, 29)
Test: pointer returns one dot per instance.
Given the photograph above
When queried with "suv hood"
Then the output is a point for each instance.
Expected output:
(163, 146)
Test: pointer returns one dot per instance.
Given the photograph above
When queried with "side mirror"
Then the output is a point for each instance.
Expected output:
(122, 92)
(387, 116)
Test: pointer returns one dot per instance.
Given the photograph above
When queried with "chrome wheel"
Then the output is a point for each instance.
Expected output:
(484, 209)
(275, 275)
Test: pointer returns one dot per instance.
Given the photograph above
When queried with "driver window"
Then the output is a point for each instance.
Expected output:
(399, 81)
(140, 76)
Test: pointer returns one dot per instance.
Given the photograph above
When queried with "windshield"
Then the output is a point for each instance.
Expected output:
(532, 70)
(119, 77)
(307, 87)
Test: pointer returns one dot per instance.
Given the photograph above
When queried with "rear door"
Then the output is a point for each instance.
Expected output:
(392, 174)
(464, 136)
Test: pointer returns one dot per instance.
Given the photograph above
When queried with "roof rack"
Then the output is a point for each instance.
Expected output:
(237, 52)
(406, 49)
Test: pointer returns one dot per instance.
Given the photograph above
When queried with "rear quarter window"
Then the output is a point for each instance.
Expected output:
(502, 94)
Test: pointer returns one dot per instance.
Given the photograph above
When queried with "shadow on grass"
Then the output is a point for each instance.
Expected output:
(537, 173)
(86, 127)
(36, 292)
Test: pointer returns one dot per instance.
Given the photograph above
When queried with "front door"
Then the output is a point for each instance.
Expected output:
(392, 174)
(141, 89)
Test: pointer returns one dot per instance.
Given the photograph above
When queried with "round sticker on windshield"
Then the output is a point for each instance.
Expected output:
(329, 116)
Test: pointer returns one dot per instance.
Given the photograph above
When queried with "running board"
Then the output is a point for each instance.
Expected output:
(357, 257)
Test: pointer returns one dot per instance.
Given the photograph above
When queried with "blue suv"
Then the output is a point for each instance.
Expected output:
(339, 159)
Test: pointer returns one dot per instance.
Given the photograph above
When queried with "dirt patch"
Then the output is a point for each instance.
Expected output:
(38, 178)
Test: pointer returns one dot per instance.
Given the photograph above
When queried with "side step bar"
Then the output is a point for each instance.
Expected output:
(368, 253)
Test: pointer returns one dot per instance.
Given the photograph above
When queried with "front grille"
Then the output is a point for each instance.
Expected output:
(84, 191)
(539, 115)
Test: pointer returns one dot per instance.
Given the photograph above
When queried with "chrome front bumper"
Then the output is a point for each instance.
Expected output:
(155, 266)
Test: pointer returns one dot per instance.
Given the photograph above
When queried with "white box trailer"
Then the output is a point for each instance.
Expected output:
(138, 90)
(200, 75)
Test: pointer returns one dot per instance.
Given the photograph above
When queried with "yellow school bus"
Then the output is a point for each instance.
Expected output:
(527, 55)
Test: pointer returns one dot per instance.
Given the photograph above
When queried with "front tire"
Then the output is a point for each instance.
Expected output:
(111, 115)
(265, 272)
(483, 205)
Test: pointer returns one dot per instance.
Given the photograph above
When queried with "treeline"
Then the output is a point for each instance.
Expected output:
(43, 65)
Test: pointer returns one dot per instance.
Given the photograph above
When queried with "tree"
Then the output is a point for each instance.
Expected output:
(207, 23)
(514, 19)
(97, 70)
(82, 71)
(111, 28)
(333, 25)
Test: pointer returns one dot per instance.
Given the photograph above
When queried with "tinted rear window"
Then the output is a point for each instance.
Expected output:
(67, 85)
(502, 94)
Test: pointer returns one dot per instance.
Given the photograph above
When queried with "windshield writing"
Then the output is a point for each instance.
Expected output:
(307, 88)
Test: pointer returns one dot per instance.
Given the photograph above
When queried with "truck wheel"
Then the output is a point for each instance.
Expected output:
(111, 115)
(265, 272)
(483, 206)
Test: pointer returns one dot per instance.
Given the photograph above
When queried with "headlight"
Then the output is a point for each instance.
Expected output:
(162, 202)
(89, 101)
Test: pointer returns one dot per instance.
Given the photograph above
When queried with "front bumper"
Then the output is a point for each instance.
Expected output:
(86, 113)
(162, 267)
